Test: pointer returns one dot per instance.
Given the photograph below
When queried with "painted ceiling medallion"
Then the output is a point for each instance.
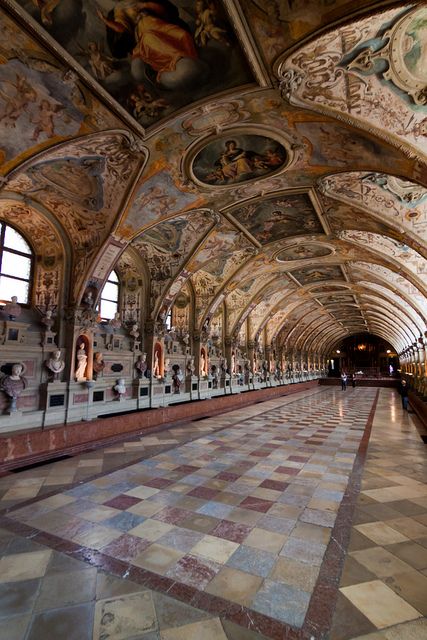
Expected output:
(404, 47)
(302, 251)
(236, 157)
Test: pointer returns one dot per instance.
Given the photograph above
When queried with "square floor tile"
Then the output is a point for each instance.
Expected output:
(157, 558)
(234, 585)
(380, 604)
(123, 617)
(282, 602)
(194, 571)
(126, 547)
(380, 562)
(234, 531)
(214, 549)
(304, 550)
(151, 530)
(208, 629)
(200, 522)
(122, 502)
(295, 573)
(24, 566)
(380, 533)
(265, 540)
(253, 561)
(256, 504)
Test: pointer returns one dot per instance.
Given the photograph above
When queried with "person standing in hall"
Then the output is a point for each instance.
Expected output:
(343, 381)
(403, 390)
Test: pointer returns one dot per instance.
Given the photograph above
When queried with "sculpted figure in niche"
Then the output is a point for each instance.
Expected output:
(55, 364)
(156, 365)
(81, 362)
(12, 309)
(214, 374)
(98, 365)
(202, 364)
(14, 385)
(141, 365)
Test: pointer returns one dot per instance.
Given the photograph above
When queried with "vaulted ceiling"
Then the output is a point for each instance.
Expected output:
(271, 157)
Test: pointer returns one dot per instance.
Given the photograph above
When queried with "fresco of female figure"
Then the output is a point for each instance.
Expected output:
(161, 38)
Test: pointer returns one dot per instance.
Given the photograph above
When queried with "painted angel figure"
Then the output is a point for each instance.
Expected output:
(44, 119)
(207, 27)
(100, 64)
(18, 103)
(46, 9)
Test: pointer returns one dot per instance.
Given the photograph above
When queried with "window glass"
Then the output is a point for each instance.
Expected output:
(15, 268)
(11, 287)
(15, 265)
(109, 300)
(107, 309)
(13, 240)
(110, 292)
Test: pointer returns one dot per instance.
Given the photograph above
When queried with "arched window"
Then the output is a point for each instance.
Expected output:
(109, 300)
(16, 265)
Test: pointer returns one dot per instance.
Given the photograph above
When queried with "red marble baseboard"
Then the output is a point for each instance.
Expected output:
(23, 448)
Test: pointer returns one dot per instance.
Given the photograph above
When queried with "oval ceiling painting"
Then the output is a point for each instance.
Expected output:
(237, 158)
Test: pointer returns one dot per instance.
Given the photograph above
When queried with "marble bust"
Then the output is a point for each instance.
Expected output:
(120, 389)
(14, 384)
(141, 365)
(55, 364)
(12, 309)
(98, 365)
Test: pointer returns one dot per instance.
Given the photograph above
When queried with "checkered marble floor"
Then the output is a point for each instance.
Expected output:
(243, 515)
(39, 480)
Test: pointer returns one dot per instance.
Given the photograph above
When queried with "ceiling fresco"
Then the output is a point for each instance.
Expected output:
(152, 57)
(280, 217)
(372, 70)
(266, 159)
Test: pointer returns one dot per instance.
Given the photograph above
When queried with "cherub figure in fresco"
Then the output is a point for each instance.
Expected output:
(100, 64)
(44, 119)
(156, 200)
(46, 9)
(143, 103)
(18, 103)
(207, 24)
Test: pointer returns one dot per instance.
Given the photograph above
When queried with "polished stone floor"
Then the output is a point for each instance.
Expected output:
(229, 527)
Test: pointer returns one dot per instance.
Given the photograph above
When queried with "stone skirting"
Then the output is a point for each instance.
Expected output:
(28, 447)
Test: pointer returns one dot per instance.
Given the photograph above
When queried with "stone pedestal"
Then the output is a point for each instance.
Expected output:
(56, 402)
(142, 392)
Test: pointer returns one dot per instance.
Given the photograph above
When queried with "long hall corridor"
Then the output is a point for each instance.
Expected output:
(243, 526)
